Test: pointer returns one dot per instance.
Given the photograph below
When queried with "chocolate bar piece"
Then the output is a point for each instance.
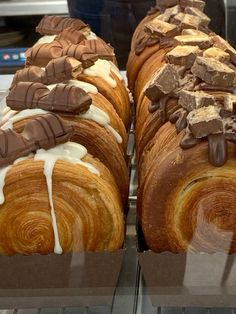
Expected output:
(183, 55)
(62, 98)
(71, 34)
(230, 103)
(100, 47)
(193, 32)
(61, 69)
(41, 54)
(205, 20)
(190, 21)
(160, 28)
(178, 18)
(164, 81)
(202, 41)
(194, 100)
(193, 3)
(53, 25)
(224, 45)
(30, 74)
(213, 72)
(217, 54)
(169, 13)
(82, 53)
(205, 121)
(47, 131)
(13, 146)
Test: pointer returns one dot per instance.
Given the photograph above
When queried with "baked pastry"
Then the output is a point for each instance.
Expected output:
(96, 124)
(185, 133)
(57, 198)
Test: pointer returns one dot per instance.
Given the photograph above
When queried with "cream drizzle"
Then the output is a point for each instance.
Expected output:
(116, 71)
(47, 39)
(91, 36)
(88, 88)
(70, 152)
(102, 69)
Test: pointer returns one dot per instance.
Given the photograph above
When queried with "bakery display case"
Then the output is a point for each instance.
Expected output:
(129, 155)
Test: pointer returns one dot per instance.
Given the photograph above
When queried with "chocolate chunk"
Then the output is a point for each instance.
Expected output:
(224, 45)
(230, 103)
(205, 20)
(82, 53)
(193, 32)
(13, 146)
(193, 3)
(190, 21)
(30, 74)
(41, 54)
(144, 40)
(72, 35)
(61, 69)
(205, 121)
(213, 72)
(160, 28)
(47, 131)
(169, 13)
(167, 3)
(179, 117)
(100, 47)
(202, 41)
(217, 54)
(183, 55)
(217, 147)
(164, 81)
(62, 98)
(178, 18)
(194, 100)
(53, 25)
(189, 141)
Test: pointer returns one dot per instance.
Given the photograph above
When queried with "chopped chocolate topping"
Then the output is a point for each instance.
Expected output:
(47, 131)
(41, 54)
(230, 103)
(225, 46)
(30, 74)
(190, 21)
(164, 82)
(179, 117)
(166, 42)
(61, 69)
(216, 88)
(100, 47)
(169, 13)
(53, 25)
(193, 3)
(205, 20)
(72, 35)
(217, 54)
(144, 40)
(82, 53)
(202, 41)
(161, 29)
(193, 32)
(217, 149)
(205, 121)
(183, 55)
(13, 146)
(62, 98)
(213, 72)
(194, 100)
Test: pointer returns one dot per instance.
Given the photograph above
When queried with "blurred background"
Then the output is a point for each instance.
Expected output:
(113, 20)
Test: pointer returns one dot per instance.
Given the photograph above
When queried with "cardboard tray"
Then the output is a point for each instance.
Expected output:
(188, 279)
(75, 279)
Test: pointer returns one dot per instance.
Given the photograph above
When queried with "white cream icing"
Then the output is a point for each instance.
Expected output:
(116, 71)
(47, 39)
(17, 116)
(71, 152)
(88, 88)
(3, 173)
(91, 36)
(102, 69)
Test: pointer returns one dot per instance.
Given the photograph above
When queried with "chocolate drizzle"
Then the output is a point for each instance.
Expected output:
(217, 147)
(145, 40)
(72, 35)
(62, 98)
(179, 117)
(53, 25)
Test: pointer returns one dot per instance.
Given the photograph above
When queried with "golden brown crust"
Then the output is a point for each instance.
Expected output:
(88, 209)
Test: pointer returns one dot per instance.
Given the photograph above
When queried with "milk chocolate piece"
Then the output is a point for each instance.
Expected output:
(230, 103)
(205, 121)
(53, 25)
(224, 45)
(160, 28)
(165, 81)
(41, 54)
(178, 18)
(193, 3)
(82, 53)
(47, 131)
(205, 20)
(30, 74)
(202, 41)
(189, 141)
(167, 3)
(72, 35)
(217, 54)
(169, 13)
(217, 147)
(183, 55)
(194, 100)
(144, 40)
(100, 47)
(61, 69)
(193, 32)
(190, 21)
(62, 98)
(13, 146)
(213, 72)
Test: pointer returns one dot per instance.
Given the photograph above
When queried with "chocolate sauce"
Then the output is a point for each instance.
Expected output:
(217, 148)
